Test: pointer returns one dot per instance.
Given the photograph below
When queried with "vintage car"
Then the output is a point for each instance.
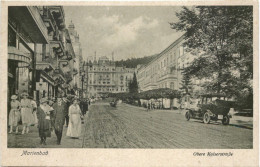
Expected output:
(211, 107)
(113, 103)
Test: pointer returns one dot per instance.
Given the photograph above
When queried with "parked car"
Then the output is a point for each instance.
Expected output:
(211, 107)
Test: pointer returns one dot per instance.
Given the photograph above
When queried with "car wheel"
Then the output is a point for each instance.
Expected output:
(225, 120)
(206, 118)
(187, 115)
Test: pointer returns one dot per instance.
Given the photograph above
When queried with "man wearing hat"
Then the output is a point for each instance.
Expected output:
(59, 117)
(14, 115)
(67, 105)
(43, 115)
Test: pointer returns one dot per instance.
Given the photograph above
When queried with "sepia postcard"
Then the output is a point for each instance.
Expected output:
(158, 83)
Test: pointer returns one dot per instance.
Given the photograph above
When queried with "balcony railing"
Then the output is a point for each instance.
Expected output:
(38, 19)
(48, 17)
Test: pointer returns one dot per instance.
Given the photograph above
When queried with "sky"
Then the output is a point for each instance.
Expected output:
(125, 31)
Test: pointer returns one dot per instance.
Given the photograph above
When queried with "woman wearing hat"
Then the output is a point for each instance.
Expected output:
(44, 125)
(14, 115)
(75, 114)
(26, 112)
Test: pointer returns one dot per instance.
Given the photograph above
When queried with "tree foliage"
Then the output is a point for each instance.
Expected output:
(133, 62)
(133, 85)
(222, 37)
(186, 83)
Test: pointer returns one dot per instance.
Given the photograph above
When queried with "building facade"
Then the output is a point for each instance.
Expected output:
(165, 71)
(162, 72)
(41, 55)
(26, 30)
(78, 61)
(104, 76)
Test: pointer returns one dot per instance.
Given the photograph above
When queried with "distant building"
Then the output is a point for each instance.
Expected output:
(78, 61)
(105, 77)
(162, 72)
(165, 71)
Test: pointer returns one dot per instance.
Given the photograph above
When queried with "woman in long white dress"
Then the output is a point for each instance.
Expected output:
(14, 115)
(26, 112)
(74, 128)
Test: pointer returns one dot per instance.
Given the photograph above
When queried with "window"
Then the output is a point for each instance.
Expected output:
(172, 85)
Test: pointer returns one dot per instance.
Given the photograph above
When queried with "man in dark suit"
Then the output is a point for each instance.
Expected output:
(59, 117)
(67, 105)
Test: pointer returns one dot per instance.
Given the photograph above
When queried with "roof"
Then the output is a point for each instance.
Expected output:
(177, 41)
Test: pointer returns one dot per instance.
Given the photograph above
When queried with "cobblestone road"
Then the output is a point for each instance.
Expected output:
(132, 127)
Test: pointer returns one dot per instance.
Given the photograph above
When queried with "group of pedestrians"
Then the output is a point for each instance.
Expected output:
(24, 110)
(49, 115)
(152, 105)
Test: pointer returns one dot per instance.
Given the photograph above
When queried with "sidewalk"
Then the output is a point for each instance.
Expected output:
(32, 140)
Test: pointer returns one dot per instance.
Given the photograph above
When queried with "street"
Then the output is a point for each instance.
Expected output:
(133, 127)
(129, 126)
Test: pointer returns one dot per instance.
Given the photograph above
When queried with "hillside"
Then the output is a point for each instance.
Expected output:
(133, 62)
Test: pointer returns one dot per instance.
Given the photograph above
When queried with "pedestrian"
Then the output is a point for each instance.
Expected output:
(59, 118)
(14, 115)
(67, 104)
(74, 129)
(44, 125)
(84, 106)
(148, 105)
(26, 112)
(34, 108)
(50, 103)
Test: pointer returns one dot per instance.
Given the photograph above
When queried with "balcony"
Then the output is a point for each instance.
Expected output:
(59, 17)
(58, 47)
(49, 19)
(31, 21)
(44, 66)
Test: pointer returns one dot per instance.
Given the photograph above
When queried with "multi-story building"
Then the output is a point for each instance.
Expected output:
(162, 71)
(57, 55)
(105, 77)
(26, 30)
(41, 55)
(78, 61)
(165, 70)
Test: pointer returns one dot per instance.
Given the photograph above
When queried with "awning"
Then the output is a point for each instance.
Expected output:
(31, 21)
(43, 66)
(18, 55)
(48, 78)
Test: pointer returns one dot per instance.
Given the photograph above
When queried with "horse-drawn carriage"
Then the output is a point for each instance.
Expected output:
(211, 107)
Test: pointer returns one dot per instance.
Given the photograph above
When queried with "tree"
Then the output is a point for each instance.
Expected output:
(186, 83)
(222, 36)
(133, 85)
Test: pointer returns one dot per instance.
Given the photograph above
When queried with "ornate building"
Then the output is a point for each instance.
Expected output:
(104, 77)
(41, 55)
(78, 61)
